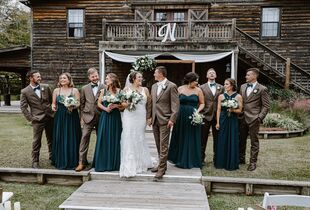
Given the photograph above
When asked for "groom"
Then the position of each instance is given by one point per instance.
(255, 108)
(165, 107)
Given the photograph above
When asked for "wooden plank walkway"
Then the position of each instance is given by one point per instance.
(179, 189)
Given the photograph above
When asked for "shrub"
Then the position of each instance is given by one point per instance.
(277, 120)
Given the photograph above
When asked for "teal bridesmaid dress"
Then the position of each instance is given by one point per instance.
(227, 150)
(107, 151)
(185, 144)
(66, 137)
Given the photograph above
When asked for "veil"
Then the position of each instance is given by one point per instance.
(127, 84)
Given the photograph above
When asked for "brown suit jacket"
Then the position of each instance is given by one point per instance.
(39, 107)
(210, 100)
(257, 104)
(166, 105)
(88, 102)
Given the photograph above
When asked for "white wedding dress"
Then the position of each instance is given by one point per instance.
(135, 154)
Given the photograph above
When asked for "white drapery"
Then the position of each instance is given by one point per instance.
(198, 58)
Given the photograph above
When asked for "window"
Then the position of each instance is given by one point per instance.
(76, 23)
(270, 22)
(170, 15)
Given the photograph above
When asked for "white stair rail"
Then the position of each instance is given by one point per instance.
(285, 200)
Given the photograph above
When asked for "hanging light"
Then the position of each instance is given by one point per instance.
(228, 67)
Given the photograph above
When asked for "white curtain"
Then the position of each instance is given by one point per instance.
(198, 58)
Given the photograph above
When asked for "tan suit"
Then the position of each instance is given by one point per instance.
(90, 116)
(38, 111)
(209, 112)
(255, 109)
(165, 107)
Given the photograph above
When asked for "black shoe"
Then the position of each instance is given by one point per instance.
(252, 167)
(35, 165)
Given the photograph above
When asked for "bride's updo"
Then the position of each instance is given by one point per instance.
(133, 76)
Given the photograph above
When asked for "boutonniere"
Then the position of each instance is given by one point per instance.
(255, 91)
(164, 87)
(218, 87)
(42, 88)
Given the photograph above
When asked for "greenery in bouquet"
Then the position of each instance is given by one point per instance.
(144, 63)
(197, 118)
(114, 99)
(69, 102)
(133, 98)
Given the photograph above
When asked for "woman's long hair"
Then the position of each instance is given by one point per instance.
(190, 77)
(115, 82)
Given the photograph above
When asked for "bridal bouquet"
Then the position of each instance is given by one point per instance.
(133, 98)
(197, 118)
(143, 64)
(230, 104)
(69, 102)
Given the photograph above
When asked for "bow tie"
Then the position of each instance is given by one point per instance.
(94, 85)
(249, 85)
(36, 88)
(212, 84)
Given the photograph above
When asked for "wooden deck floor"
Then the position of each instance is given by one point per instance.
(179, 189)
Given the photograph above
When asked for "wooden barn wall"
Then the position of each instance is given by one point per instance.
(294, 42)
(53, 52)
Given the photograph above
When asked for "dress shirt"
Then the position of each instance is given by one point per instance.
(250, 88)
(95, 88)
(37, 90)
(161, 85)
(212, 87)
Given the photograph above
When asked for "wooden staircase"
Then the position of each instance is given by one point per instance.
(275, 67)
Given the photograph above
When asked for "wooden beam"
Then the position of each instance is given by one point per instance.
(175, 61)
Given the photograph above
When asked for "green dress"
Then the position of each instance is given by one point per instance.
(227, 148)
(66, 137)
(185, 144)
(107, 151)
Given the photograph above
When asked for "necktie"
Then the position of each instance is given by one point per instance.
(212, 84)
(94, 85)
(249, 85)
(36, 88)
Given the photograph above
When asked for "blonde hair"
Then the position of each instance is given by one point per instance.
(91, 71)
(68, 75)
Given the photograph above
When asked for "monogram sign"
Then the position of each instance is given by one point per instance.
(167, 30)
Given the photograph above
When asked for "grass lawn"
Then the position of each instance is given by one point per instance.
(286, 159)
(278, 159)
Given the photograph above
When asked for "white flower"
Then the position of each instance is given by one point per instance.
(42, 88)
(197, 118)
(255, 91)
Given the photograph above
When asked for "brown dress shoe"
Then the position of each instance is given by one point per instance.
(35, 165)
(154, 170)
(252, 167)
(80, 167)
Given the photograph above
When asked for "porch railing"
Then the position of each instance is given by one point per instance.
(192, 30)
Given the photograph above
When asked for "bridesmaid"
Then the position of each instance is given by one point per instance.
(185, 145)
(67, 129)
(107, 151)
(227, 148)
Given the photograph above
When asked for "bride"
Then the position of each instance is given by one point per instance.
(135, 154)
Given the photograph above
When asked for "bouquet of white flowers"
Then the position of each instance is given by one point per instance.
(197, 118)
(69, 102)
(133, 98)
(230, 104)
(144, 63)
(114, 99)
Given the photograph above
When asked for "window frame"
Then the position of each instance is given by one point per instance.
(83, 27)
(278, 36)
(170, 14)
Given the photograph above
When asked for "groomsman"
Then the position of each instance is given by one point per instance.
(165, 107)
(211, 91)
(256, 105)
(89, 114)
(38, 98)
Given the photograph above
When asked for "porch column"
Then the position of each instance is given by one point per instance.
(234, 65)
(102, 66)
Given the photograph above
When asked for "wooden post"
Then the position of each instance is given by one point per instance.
(233, 28)
(104, 29)
(287, 74)
(249, 189)
(146, 30)
(189, 29)
(193, 66)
